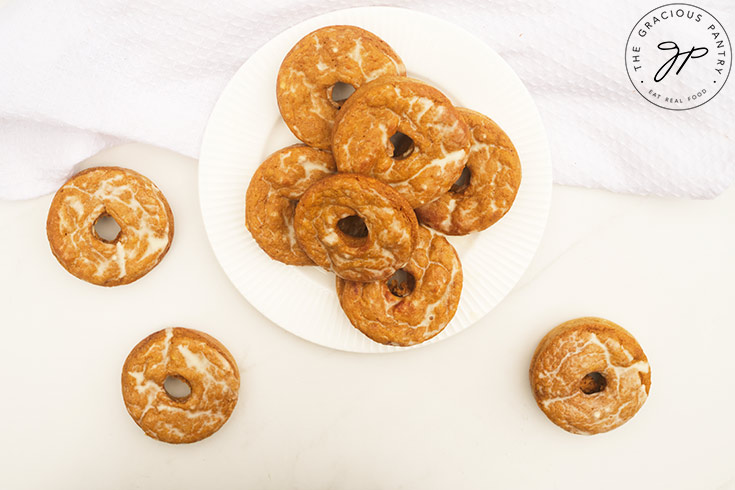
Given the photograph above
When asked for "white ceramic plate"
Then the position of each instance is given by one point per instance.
(246, 126)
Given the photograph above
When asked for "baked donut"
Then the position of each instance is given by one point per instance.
(589, 375)
(356, 226)
(271, 199)
(411, 309)
(196, 359)
(488, 185)
(405, 133)
(322, 59)
(137, 206)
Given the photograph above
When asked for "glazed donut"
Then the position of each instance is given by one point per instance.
(137, 206)
(319, 61)
(405, 133)
(413, 310)
(195, 358)
(356, 226)
(271, 199)
(589, 375)
(493, 175)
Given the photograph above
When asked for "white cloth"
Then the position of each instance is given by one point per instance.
(80, 75)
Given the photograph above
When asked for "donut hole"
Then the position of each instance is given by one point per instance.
(402, 145)
(106, 228)
(401, 283)
(463, 182)
(339, 93)
(593, 383)
(177, 387)
(353, 226)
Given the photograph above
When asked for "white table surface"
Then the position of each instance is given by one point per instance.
(454, 415)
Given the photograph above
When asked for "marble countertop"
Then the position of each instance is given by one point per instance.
(458, 414)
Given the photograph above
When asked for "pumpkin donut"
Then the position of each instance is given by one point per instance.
(195, 358)
(405, 133)
(137, 206)
(356, 226)
(316, 64)
(271, 199)
(411, 309)
(589, 375)
(492, 174)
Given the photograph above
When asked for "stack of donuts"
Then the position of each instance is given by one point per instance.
(382, 175)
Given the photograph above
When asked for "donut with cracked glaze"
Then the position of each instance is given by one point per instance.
(401, 314)
(198, 360)
(321, 59)
(137, 206)
(271, 198)
(367, 137)
(356, 226)
(589, 375)
(493, 181)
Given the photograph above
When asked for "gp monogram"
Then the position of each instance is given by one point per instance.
(678, 56)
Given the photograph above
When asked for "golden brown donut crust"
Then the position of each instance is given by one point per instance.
(271, 198)
(391, 224)
(194, 357)
(315, 64)
(423, 313)
(133, 201)
(376, 111)
(589, 346)
(495, 175)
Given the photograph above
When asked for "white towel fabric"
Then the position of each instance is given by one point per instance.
(80, 75)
